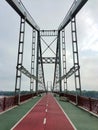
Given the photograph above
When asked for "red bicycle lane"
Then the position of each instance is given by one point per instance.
(46, 115)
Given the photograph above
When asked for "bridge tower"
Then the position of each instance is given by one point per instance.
(38, 60)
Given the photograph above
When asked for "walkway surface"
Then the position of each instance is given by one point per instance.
(46, 115)
(81, 119)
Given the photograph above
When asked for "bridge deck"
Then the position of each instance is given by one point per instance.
(49, 116)
(46, 115)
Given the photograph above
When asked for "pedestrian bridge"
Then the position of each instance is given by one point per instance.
(46, 108)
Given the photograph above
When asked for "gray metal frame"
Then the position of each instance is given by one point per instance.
(48, 60)
(75, 55)
(64, 59)
(48, 46)
(20, 58)
(75, 8)
(24, 71)
(76, 68)
(59, 57)
(69, 73)
(37, 60)
(57, 71)
(33, 59)
(26, 17)
(39, 57)
(49, 33)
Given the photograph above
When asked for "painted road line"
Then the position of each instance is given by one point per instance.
(46, 110)
(44, 121)
(8, 110)
(26, 114)
(66, 115)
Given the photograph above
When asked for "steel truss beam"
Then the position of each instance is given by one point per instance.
(75, 8)
(33, 59)
(75, 54)
(20, 58)
(57, 71)
(38, 67)
(59, 55)
(48, 60)
(24, 71)
(64, 59)
(69, 73)
(43, 77)
(48, 46)
(56, 77)
(22, 11)
(48, 33)
(18, 6)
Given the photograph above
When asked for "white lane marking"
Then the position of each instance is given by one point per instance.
(44, 121)
(66, 115)
(26, 113)
(46, 110)
(8, 110)
(47, 105)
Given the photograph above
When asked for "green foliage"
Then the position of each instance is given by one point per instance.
(92, 94)
(12, 93)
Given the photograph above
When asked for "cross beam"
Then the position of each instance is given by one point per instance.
(48, 60)
(21, 10)
(75, 8)
(48, 32)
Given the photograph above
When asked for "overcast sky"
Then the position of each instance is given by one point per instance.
(48, 14)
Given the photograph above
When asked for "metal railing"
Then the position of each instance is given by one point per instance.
(90, 104)
(10, 101)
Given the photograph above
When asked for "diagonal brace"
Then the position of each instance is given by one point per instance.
(27, 73)
(69, 73)
(48, 46)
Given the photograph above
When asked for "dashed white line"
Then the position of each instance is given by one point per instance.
(66, 115)
(46, 110)
(44, 122)
(26, 114)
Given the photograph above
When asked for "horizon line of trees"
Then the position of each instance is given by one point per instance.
(92, 94)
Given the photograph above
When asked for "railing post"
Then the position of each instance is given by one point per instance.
(90, 104)
(77, 100)
(4, 103)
